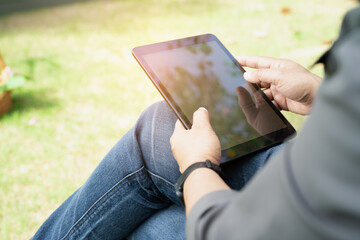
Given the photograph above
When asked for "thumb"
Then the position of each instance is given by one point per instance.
(201, 118)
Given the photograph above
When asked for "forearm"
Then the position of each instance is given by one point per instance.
(201, 182)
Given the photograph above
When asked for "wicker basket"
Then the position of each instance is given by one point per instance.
(5, 102)
(5, 97)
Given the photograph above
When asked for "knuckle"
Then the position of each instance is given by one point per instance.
(172, 147)
(172, 139)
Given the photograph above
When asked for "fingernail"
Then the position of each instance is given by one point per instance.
(202, 108)
(247, 75)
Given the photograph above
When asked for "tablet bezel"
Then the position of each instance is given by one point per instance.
(237, 151)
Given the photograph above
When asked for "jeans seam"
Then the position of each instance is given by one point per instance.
(92, 207)
(153, 126)
(166, 182)
(153, 135)
(159, 177)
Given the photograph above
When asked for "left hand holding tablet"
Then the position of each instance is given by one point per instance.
(197, 144)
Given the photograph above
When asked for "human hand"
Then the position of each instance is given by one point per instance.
(197, 144)
(290, 86)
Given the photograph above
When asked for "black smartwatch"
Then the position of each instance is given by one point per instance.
(179, 185)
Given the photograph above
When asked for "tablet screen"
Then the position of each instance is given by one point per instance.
(202, 74)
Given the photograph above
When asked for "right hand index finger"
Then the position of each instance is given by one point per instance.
(258, 62)
(269, 76)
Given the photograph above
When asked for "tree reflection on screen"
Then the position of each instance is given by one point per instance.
(202, 75)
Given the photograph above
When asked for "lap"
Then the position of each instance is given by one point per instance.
(135, 182)
(156, 126)
(166, 224)
(169, 223)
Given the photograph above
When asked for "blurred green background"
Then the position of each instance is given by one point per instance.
(86, 90)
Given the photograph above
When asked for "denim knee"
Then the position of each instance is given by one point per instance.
(153, 131)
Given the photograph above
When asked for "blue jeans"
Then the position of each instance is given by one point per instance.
(131, 193)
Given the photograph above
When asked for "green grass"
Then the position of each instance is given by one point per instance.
(87, 90)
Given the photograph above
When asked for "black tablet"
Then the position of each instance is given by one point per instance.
(198, 72)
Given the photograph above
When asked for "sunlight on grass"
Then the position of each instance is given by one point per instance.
(86, 90)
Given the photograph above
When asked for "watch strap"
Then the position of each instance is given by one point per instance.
(179, 185)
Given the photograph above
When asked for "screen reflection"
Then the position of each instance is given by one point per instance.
(203, 75)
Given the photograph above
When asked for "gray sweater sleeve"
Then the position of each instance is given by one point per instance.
(311, 188)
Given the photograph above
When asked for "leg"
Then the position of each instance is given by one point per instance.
(239, 172)
(166, 224)
(132, 182)
(120, 193)
(169, 223)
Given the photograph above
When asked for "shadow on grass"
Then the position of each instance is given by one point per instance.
(32, 63)
(24, 101)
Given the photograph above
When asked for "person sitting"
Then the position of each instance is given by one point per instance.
(304, 189)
